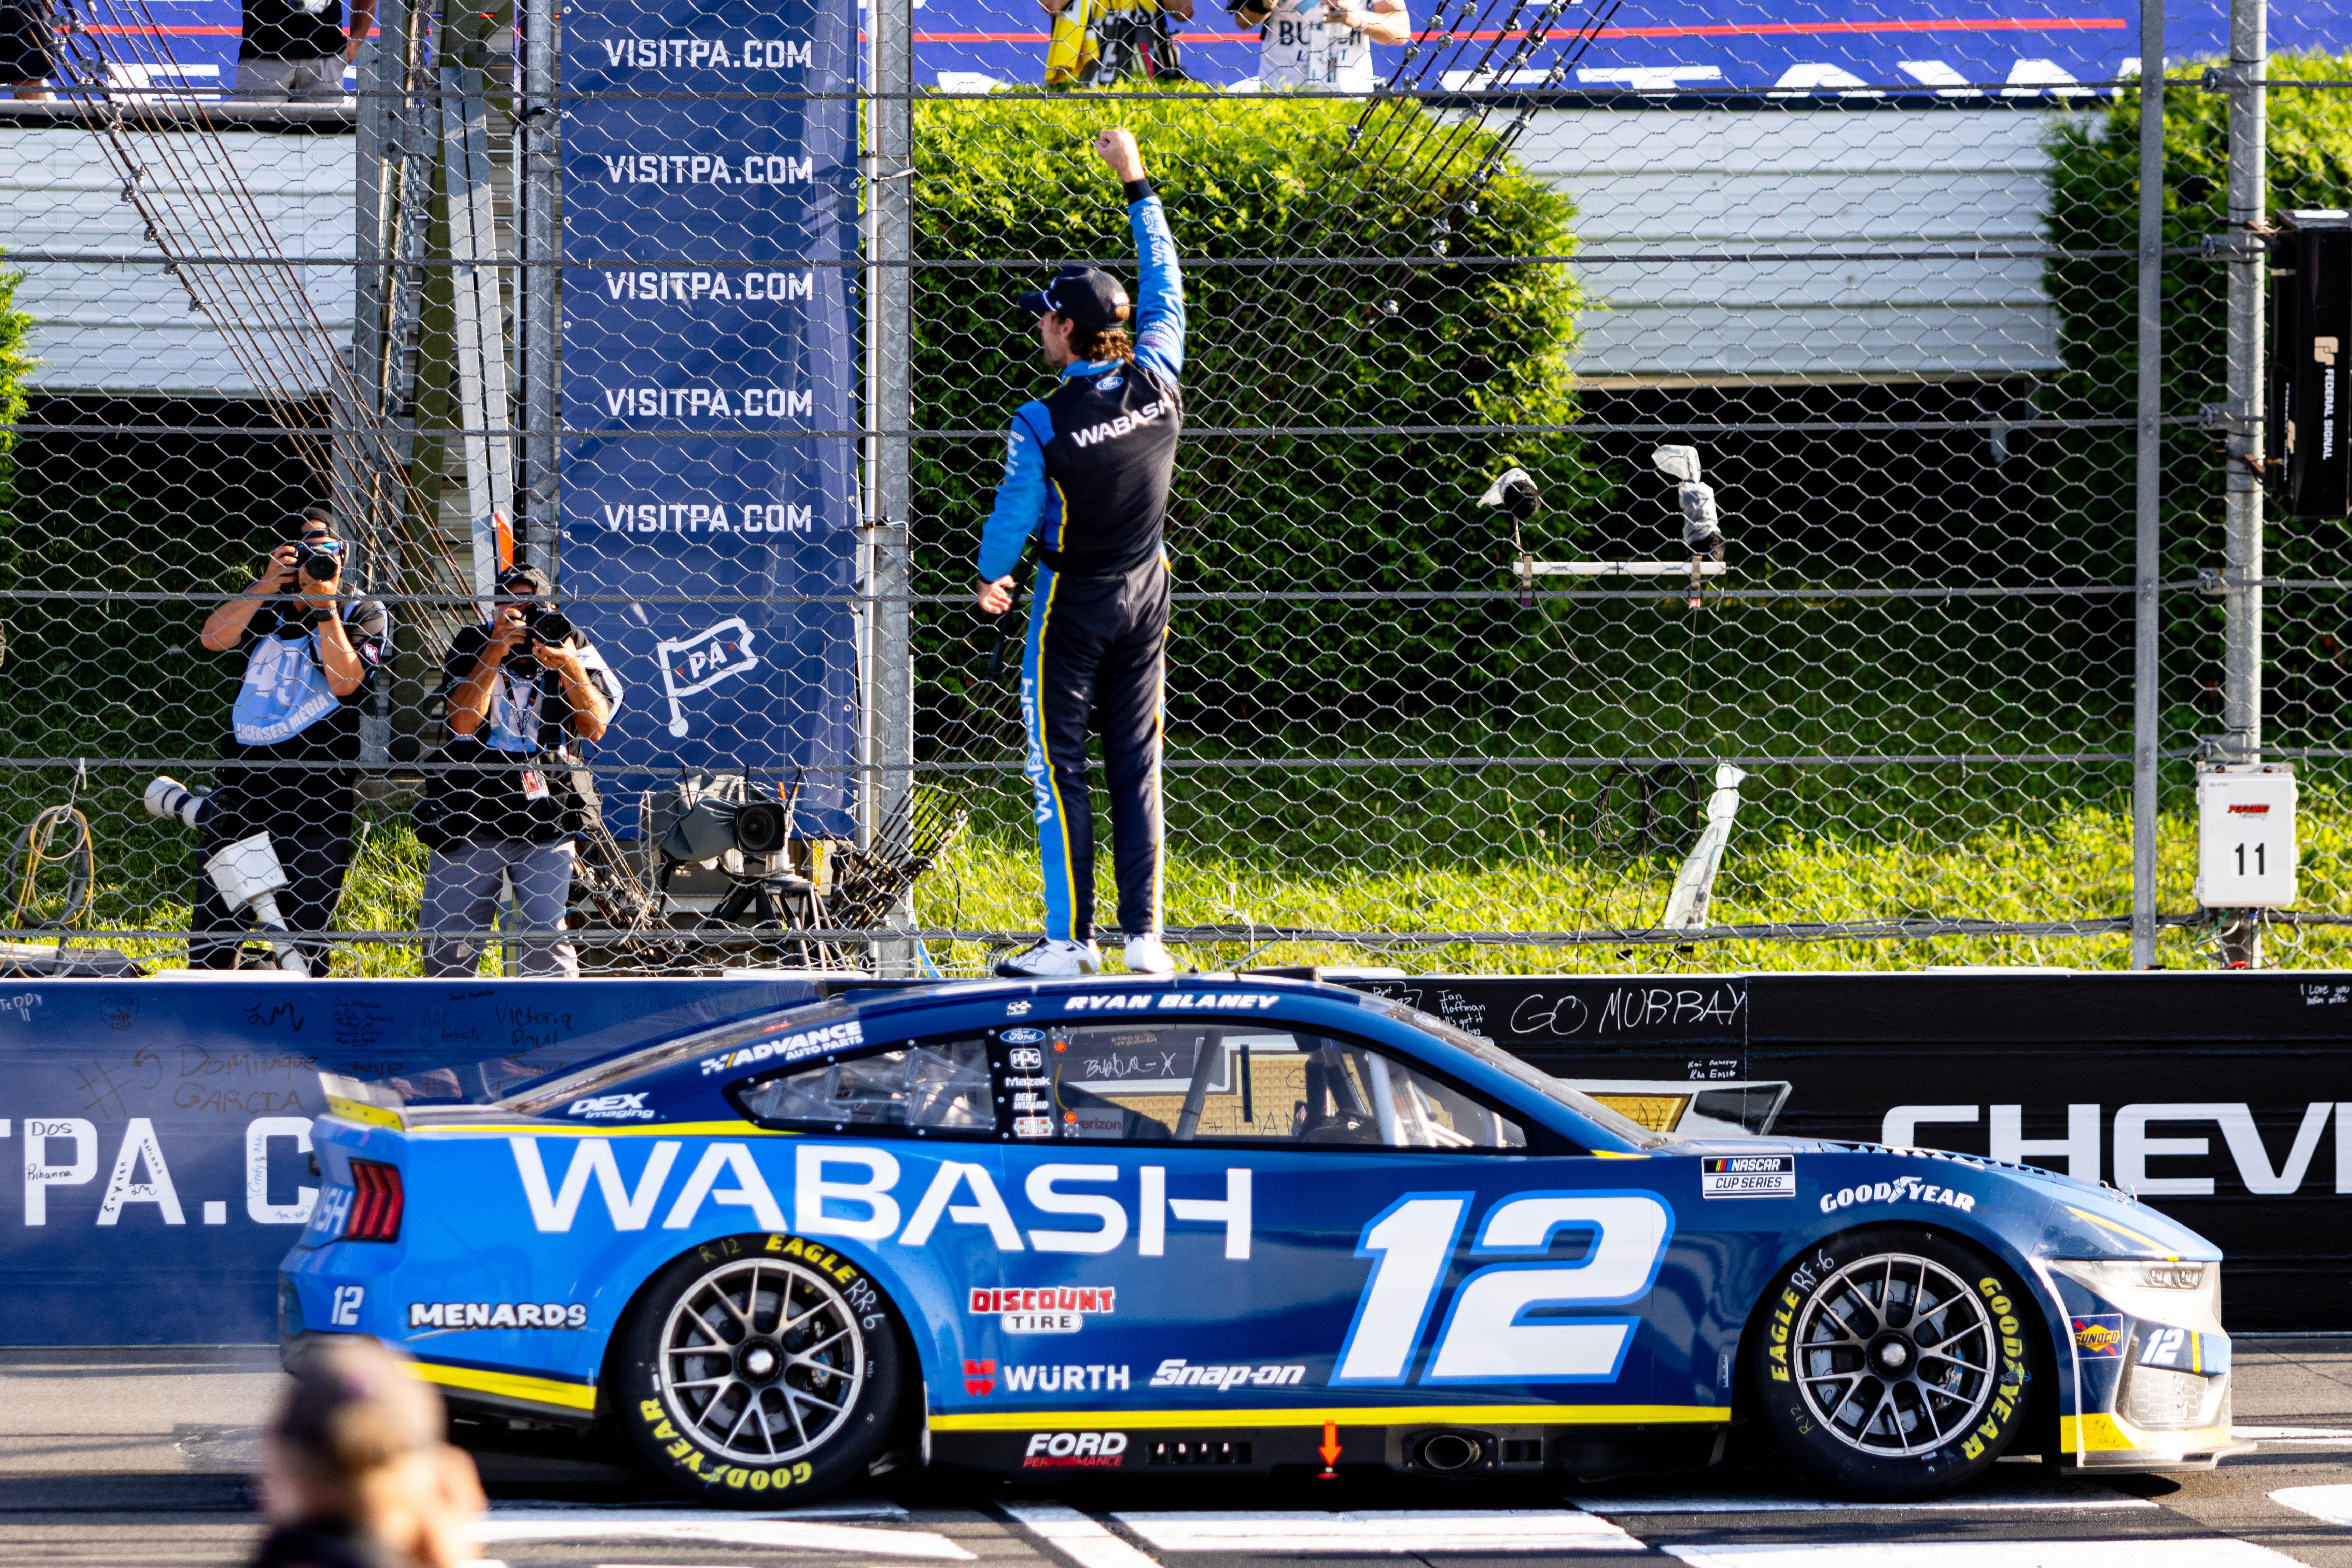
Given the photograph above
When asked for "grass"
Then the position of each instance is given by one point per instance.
(2071, 860)
(2074, 864)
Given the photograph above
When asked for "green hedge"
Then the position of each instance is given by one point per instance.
(1362, 337)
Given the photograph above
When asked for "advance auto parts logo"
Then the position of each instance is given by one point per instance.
(791, 1048)
(1059, 1311)
(1075, 1451)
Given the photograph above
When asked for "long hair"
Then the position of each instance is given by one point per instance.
(1095, 346)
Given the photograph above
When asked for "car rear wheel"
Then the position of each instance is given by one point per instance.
(1894, 1362)
(755, 1365)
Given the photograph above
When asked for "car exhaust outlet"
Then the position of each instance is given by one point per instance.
(1448, 1451)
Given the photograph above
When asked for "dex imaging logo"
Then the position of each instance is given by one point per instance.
(700, 662)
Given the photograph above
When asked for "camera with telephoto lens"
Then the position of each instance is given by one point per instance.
(548, 626)
(174, 802)
(321, 564)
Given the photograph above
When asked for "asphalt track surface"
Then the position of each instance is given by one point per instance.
(142, 1458)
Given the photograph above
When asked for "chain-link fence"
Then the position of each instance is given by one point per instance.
(1805, 635)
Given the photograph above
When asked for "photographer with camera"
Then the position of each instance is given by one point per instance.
(290, 764)
(1321, 46)
(519, 691)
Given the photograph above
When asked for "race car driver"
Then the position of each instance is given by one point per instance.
(1086, 475)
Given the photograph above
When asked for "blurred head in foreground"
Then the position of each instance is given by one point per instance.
(356, 1472)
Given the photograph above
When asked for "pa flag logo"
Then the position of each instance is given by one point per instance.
(701, 661)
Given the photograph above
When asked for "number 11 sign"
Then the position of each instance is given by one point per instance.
(2245, 836)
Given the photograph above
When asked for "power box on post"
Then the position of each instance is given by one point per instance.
(2245, 835)
(2311, 351)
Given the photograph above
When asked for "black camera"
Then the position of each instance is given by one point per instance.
(547, 626)
(320, 565)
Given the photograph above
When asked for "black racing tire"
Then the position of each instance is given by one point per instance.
(1894, 1362)
(756, 1365)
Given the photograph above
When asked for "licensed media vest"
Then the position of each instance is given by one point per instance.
(1110, 458)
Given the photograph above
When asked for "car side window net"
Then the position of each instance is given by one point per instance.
(936, 1086)
(1180, 1083)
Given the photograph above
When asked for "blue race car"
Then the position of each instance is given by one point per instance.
(1236, 1225)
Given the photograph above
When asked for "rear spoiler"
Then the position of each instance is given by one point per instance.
(370, 1104)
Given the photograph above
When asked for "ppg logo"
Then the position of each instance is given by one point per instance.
(1025, 1059)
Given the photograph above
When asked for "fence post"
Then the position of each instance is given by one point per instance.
(890, 673)
(2242, 563)
(537, 176)
(2148, 555)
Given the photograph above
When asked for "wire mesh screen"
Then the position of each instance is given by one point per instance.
(1645, 502)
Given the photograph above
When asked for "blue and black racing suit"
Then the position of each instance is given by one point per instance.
(1086, 475)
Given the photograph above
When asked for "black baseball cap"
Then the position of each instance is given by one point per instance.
(530, 579)
(1087, 295)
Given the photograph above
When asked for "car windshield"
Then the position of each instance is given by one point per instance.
(736, 1034)
(1494, 1056)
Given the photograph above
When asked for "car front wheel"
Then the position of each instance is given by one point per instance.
(755, 1365)
(1894, 1362)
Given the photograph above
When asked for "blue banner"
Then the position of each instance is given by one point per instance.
(710, 227)
(161, 1128)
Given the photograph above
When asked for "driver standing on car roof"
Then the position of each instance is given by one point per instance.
(1087, 474)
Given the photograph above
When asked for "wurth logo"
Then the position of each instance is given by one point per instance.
(1111, 429)
(980, 1377)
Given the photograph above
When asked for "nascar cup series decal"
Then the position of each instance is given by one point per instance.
(1748, 1176)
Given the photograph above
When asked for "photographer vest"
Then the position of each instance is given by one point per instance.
(1111, 456)
(1302, 50)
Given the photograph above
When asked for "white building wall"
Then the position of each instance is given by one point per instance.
(126, 327)
(1660, 192)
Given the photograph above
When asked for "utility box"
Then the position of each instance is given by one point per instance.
(2245, 835)
(2311, 355)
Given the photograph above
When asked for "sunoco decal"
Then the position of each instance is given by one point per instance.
(2099, 1337)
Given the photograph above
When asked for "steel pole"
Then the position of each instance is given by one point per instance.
(538, 173)
(2241, 564)
(889, 118)
(2149, 554)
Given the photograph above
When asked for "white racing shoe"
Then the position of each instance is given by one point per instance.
(1147, 955)
(1052, 960)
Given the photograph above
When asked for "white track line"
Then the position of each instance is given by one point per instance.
(2332, 1504)
(1083, 1540)
(832, 1512)
(2208, 1553)
(716, 1526)
(1392, 1533)
(2083, 1499)
(2293, 1434)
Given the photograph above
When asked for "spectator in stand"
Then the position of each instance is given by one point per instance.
(357, 1471)
(1322, 46)
(1096, 42)
(294, 51)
